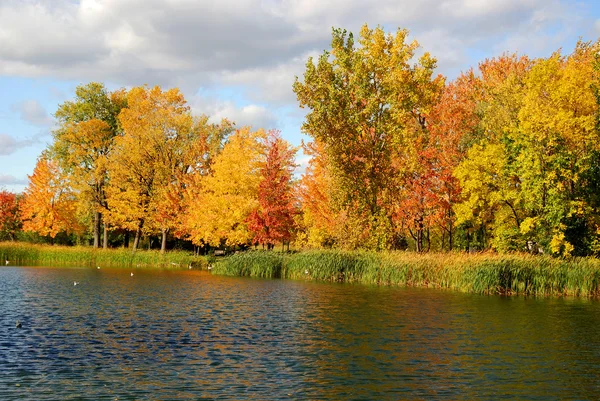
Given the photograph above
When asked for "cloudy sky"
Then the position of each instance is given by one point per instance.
(235, 58)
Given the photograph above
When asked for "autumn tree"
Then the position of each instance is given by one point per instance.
(274, 219)
(453, 125)
(367, 104)
(525, 180)
(10, 216)
(490, 202)
(558, 145)
(321, 216)
(87, 127)
(219, 204)
(49, 206)
(161, 142)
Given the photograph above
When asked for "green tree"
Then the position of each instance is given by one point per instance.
(87, 127)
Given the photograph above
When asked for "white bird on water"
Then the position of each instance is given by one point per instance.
(190, 266)
(131, 274)
(98, 267)
(6, 262)
(75, 283)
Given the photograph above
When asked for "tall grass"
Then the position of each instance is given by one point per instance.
(485, 273)
(30, 254)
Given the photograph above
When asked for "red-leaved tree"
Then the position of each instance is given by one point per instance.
(10, 217)
(273, 220)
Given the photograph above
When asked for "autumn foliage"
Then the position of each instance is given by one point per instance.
(10, 216)
(273, 220)
(49, 205)
(503, 157)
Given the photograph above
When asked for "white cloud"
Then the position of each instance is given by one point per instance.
(33, 112)
(257, 44)
(12, 180)
(253, 115)
(9, 145)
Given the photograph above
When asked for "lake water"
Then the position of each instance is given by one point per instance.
(189, 335)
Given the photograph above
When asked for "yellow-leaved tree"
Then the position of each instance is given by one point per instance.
(220, 203)
(147, 159)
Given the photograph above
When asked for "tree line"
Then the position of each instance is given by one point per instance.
(505, 156)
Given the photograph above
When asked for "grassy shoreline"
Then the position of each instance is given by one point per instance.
(18, 253)
(484, 273)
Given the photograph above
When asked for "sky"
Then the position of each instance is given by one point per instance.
(236, 58)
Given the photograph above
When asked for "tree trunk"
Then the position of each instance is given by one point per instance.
(97, 224)
(163, 243)
(420, 234)
(105, 237)
(138, 236)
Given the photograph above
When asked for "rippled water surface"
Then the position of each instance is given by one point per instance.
(189, 335)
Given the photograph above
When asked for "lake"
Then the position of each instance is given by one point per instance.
(190, 335)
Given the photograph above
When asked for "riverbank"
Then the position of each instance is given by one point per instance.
(18, 253)
(484, 273)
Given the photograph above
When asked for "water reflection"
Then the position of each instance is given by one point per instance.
(189, 335)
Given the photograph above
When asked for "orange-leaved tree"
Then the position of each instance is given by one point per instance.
(49, 206)
(321, 217)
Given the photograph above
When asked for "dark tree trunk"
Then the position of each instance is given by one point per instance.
(138, 236)
(420, 234)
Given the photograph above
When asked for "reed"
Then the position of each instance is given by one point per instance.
(253, 264)
(484, 273)
(36, 255)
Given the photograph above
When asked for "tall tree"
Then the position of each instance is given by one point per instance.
(365, 103)
(274, 218)
(82, 144)
(490, 201)
(157, 146)
(454, 124)
(557, 146)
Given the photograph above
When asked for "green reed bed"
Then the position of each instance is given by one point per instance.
(252, 264)
(35, 255)
(485, 273)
